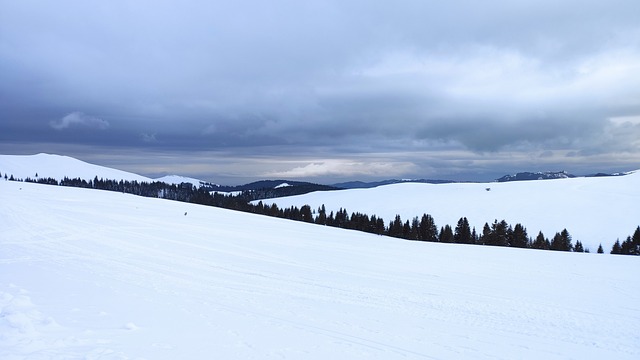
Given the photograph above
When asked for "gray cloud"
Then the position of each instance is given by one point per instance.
(78, 118)
(148, 138)
(328, 83)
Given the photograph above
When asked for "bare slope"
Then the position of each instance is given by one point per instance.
(103, 275)
(594, 210)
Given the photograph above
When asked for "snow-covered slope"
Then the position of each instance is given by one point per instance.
(88, 274)
(57, 167)
(594, 210)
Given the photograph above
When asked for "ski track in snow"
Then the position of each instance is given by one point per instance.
(101, 275)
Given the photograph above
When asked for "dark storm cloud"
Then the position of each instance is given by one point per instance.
(328, 85)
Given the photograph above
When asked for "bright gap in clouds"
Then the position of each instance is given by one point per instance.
(343, 168)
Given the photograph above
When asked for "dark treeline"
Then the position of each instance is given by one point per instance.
(498, 233)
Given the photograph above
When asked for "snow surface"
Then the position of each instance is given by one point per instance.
(282, 185)
(594, 210)
(58, 166)
(103, 275)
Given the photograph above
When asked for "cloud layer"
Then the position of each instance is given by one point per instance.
(324, 87)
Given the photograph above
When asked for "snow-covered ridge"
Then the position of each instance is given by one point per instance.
(177, 180)
(88, 274)
(59, 167)
(282, 185)
(593, 209)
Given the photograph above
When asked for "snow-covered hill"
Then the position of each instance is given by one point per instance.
(89, 274)
(58, 166)
(177, 179)
(594, 210)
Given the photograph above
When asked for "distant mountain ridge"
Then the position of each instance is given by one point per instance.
(372, 184)
(265, 189)
(540, 175)
(548, 175)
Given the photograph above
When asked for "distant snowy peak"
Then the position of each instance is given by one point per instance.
(283, 185)
(58, 167)
(177, 180)
(546, 175)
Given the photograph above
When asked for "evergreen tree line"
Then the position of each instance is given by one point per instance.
(423, 228)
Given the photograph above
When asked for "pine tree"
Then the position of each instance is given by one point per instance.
(519, 237)
(341, 218)
(446, 234)
(395, 227)
(562, 241)
(578, 247)
(406, 230)
(617, 248)
(566, 240)
(331, 221)
(322, 215)
(635, 240)
(600, 249)
(415, 229)
(305, 214)
(540, 242)
(428, 229)
(626, 248)
(498, 235)
(462, 233)
(378, 225)
(485, 238)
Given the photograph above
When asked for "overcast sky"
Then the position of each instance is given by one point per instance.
(324, 90)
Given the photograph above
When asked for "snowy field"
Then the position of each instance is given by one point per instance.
(594, 210)
(88, 274)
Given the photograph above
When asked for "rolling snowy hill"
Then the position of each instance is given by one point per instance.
(594, 210)
(58, 167)
(104, 275)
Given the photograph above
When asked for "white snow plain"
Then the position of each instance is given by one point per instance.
(89, 274)
(593, 209)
